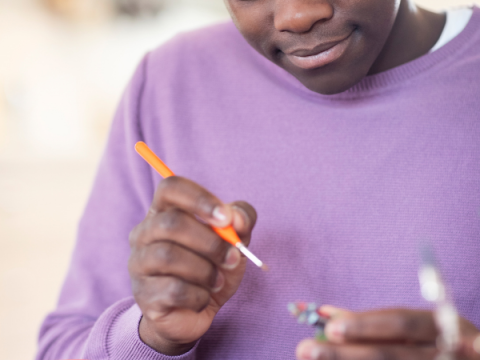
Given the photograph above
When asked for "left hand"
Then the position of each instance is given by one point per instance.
(391, 334)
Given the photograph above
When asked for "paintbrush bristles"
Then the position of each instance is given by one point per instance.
(244, 250)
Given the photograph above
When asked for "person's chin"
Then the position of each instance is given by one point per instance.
(328, 83)
(333, 78)
(336, 76)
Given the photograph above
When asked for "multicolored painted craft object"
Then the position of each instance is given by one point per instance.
(310, 314)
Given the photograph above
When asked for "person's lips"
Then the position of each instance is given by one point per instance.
(319, 56)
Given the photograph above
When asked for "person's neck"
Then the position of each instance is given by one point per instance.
(414, 34)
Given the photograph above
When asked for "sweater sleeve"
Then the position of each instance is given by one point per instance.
(96, 316)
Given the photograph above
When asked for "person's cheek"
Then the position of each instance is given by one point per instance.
(254, 21)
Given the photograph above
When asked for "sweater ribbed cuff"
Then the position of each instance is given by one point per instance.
(115, 336)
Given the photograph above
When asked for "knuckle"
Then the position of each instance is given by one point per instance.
(177, 292)
(134, 235)
(168, 184)
(132, 265)
(169, 220)
(165, 253)
(164, 188)
(137, 289)
(136, 263)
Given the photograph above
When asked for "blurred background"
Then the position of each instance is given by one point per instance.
(63, 67)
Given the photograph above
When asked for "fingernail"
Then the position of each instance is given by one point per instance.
(335, 331)
(219, 283)
(232, 259)
(219, 213)
(310, 350)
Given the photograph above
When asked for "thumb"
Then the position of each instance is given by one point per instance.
(244, 218)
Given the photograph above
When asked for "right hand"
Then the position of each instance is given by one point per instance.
(182, 272)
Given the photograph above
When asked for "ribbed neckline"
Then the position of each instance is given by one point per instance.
(378, 83)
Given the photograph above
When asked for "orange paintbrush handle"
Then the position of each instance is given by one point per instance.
(228, 234)
(149, 156)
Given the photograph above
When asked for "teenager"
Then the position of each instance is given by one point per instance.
(350, 128)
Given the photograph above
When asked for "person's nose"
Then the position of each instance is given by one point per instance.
(299, 16)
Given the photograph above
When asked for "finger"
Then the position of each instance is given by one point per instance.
(184, 229)
(332, 311)
(396, 325)
(165, 258)
(469, 347)
(158, 296)
(184, 194)
(244, 220)
(313, 350)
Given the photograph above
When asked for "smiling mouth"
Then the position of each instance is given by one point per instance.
(320, 56)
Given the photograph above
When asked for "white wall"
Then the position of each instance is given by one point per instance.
(444, 4)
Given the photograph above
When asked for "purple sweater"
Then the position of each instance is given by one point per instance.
(346, 187)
